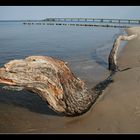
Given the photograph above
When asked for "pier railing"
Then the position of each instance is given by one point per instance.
(99, 20)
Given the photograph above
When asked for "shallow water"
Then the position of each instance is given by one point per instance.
(86, 50)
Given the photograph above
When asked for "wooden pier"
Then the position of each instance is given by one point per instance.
(95, 20)
(115, 23)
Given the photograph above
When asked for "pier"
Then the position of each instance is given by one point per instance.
(94, 20)
(98, 22)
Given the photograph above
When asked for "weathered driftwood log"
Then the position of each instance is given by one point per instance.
(54, 82)
(112, 59)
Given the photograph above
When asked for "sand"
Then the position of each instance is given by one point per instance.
(120, 105)
(122, 98)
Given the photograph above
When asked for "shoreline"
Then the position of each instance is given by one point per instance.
(21, 102)
(121, 99)
(117, 110)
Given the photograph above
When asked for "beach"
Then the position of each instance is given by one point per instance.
(122, 98)
(123, 94)
(117, 110)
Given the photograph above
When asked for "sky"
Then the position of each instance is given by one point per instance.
(42, 12)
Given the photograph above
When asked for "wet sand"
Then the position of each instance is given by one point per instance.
(116, 111)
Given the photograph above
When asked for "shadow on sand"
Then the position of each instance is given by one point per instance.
(26, 100)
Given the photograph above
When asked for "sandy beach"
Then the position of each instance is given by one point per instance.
(122, 98)
(118, 108)
(119, 105)
(121, 102)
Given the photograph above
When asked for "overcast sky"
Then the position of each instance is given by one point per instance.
(41, 12)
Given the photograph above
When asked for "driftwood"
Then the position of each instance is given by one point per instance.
(54, 82)
(112, 59)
